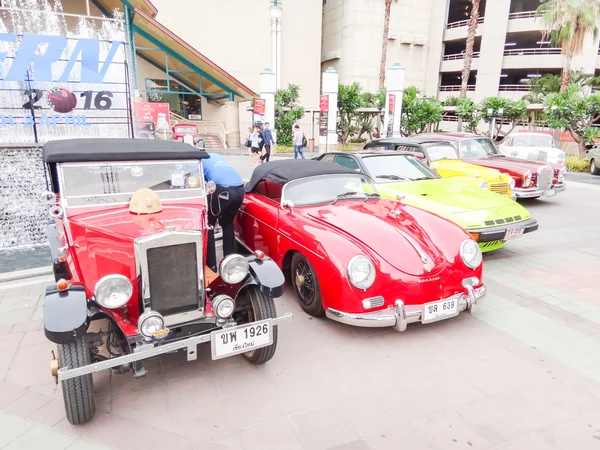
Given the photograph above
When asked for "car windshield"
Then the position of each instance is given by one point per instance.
(85, 184)
(327, 189)
(477, 148)
(538, 140)
(186, 130)
(441, 151)
(394, 168)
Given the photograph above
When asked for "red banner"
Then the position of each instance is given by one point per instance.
(391, 110)
(324, 103)
(392, 106)
(324, 116)
(260, 105)
(157, 113)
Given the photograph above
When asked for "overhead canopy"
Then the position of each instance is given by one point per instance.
(108, 6)
(282, 171)
(166, 51)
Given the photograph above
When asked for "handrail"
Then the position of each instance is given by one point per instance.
(522, 15)
(532, 51)
(470, 87)
(514, 87)
(462, 23)
(220, 129)
(459, 56)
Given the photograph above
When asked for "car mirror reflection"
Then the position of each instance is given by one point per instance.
(288, 205)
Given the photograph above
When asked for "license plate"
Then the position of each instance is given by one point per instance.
(514, 233)
(550, 193)
(444, 309)
(241, 339)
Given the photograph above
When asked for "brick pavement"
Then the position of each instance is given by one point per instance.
(523, 373)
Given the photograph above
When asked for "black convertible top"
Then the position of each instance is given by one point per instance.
(282, 171)
(117, 149)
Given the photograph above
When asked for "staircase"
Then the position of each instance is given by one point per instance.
(211, 132)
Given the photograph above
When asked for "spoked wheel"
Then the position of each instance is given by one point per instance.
(306, 285)
(253, 306)
(78, 393)
(594, 170)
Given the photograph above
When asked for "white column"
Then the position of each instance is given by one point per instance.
(232, 125)
(394, 84)
(330, 88)
(267, 91)
(276, 43)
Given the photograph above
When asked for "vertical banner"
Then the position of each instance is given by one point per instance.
(390, 112)
(323, 117)
(260, 106)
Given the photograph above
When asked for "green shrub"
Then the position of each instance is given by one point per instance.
(576, 164)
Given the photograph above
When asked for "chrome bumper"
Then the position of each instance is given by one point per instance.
(537, 192)
(400, 315)
(149, 351)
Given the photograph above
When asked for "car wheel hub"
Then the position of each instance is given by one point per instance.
(299, 280)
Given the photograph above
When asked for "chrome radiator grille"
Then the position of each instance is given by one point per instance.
(544, 178)
(499, 188)
(173, 278)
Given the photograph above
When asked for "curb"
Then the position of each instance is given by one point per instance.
(579, 184)
(23, 274)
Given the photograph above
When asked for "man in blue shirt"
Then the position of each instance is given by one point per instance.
(268, 140)
(223, 204)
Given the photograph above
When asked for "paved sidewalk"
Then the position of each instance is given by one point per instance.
(523, 373)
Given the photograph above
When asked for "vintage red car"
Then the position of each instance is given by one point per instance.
(128, 237)
(185, 129)
(354, 257)
(533, 179)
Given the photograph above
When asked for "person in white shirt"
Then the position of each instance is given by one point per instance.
(298, 142)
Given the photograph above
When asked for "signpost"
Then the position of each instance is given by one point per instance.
(324, 116)
(391, 110)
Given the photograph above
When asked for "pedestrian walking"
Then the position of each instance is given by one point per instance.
(299, 142)
(223, 204)
(268, 141)
(248, 142)
(255, 140)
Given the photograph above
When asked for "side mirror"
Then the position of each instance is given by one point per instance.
(211, 187)
(287, 205)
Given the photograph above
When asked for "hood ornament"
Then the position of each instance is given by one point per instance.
(426, 260)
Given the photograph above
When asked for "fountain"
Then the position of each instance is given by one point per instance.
(23, 217)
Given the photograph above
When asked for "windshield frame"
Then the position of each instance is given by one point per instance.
(196, 193)
(377, 181)
(358, 175)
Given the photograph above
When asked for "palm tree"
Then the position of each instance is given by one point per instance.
(567, 22)
(384, 43)
(473, 18)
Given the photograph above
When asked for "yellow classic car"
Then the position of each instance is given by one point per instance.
(442, 157)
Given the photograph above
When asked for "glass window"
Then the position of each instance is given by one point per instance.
(327, 158)
(477, 148)
(394, 168)
(347, 161)
(441, 151)
(88, 184)
(327, 188)
(533, 140)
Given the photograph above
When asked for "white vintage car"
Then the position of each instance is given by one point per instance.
(532, 146)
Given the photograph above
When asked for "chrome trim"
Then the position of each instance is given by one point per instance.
(147, 351)
(162, 239)
(400, 315)
(376, 302)
(115, 276)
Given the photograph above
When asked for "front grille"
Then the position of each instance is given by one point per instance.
(544, 178)
(173, 278)
(499, 188)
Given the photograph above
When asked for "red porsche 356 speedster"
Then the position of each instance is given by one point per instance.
(354, 257)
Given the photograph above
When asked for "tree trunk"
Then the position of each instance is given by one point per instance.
(566, 72)
(469, 48)
(384, 43)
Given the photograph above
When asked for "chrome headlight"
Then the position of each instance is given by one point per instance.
(483, 185)
(234, 269)
(149, 323)
(223, 306)
(361, 272)
(470, 253)
(511, 182)
(527, 179)
(561, 173)
(113, 291)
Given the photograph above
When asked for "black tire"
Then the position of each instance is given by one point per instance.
(78, 393)
(594, 169)
(261, 308)
(306, 285)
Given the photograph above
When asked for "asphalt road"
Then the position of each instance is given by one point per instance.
(585, 177)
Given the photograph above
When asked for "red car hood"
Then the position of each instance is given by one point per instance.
(389, 230)
(120, 222)
(514, 166)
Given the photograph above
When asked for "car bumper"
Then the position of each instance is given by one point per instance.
(534, 192)
(498, 233)
(147, 351)
(400, 315)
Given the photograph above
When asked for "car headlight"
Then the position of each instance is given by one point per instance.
(561, 173)
(223, 306)
(113, 291)
(511, 182)
(527, 179)
(471, 253)
(361, 272)
(483, 185)
(149, 323)
(234, 268)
